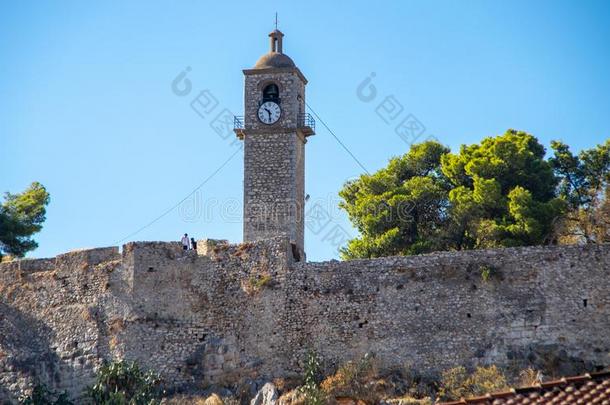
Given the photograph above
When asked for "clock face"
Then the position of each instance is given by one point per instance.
(269, 112)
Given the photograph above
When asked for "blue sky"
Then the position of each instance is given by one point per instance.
(87, 107)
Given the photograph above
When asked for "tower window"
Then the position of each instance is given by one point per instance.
(271, 93)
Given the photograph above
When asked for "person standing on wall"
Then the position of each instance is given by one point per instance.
(193, 244)
(185, 242)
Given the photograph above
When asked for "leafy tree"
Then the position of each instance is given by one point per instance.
(401, 209)
(21, 216)
(124, 383)
(584, 184)
(501, 192)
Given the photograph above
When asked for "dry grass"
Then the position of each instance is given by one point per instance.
(113, 342)
(107, 267)
(116, 325)
(222, 247)
(184, 400)
(7, 258)
(286, 384)
(213, 399)
(242, 250)
(529, 376)
(256, 283)
(353, 380)
(408, 400)
(10, 292)
(294, 397)
(457, 383)
(86, 314)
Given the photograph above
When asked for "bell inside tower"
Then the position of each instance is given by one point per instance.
(271, 93)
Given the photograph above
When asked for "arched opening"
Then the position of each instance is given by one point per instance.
(271, 93)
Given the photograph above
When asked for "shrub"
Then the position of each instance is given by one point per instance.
(453, 383)
(351, 379)
(230, 401)
(214, 399)
(257, 282)
(6, 258)
(408, 400)
(487, 379)
(184, 400)
(456, 383)
(487, 272)
(529, 376)
(293, 397)
(311, 377)
(124, 383)
(417, 386)
(42, 395)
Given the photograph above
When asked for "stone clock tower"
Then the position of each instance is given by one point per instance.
(274, 129)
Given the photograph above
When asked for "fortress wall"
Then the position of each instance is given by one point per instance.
(198, 319)
(436, 311)
(247, 311)
(47, 326)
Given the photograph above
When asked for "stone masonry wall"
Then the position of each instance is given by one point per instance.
(273, 186)
(48, 328)
(274, 159)
(230, 313)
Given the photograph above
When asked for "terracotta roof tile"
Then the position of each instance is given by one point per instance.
(586, 389)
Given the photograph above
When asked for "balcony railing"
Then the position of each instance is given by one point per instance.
(239, 126)
(305, 122)
(238, 122)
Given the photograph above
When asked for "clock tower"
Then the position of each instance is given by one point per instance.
(274, 129)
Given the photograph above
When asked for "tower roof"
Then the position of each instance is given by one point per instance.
(275, 58)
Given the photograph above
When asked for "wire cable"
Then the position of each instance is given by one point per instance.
(215, 172)
(167, 211)
(337, 138)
